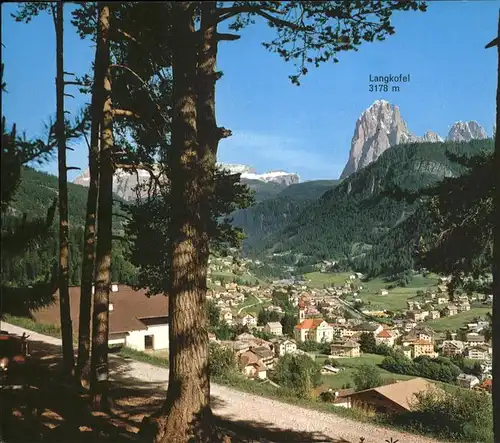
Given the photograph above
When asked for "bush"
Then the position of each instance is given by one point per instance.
(222, 361)
(367, 343)
(459, 414)
(311, 346)
(441, 369)
(367, 377)
(298, 374)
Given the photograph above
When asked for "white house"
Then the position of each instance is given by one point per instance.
(284, 347)
(467, 381)
(135, 320)
(274, 328)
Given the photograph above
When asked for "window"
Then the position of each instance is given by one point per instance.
(148, 342)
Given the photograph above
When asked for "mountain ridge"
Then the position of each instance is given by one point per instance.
(381, 126)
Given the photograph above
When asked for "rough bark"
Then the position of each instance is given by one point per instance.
(100, 318)
(496, 269)
(83, 364)
(64, 303)
(186, 415)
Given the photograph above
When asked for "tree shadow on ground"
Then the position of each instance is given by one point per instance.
(48, 407)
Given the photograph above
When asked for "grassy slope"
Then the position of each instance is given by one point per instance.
(456, 321)
(395, 300)
(318, 279)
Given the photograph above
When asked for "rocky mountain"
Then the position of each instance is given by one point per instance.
(466, 131)
(124, 183)
(265, 185)
(248, 173)
(381, 127)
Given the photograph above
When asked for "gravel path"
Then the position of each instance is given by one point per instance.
(236, 405)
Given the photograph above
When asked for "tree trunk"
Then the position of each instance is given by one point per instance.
(88, 260)
(100, 318)
(186, 415)
(64, 303)
(496, 270)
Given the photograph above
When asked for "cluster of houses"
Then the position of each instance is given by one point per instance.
(256, 356)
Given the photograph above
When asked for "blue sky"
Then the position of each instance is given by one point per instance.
(277, 125)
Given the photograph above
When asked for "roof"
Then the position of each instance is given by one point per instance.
(129, 305)
(384, 333)
(346, 344)
(250, 358)
(310, 323)
(366, 326)
(274, 324)
(402, 393)
(421, 342)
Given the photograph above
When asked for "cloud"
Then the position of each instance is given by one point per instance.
(276, 152)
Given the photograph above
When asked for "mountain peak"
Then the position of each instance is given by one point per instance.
(378, 128)
(466, 131)
(381, 127)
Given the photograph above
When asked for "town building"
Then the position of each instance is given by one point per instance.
(345, 349)
(135, 320)
(394, 398)
(385, 337)
(314, 329)
(274, 328)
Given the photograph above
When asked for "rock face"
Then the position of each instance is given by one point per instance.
(430, 137)
(379, 127)
(124, 183)
(466, 131)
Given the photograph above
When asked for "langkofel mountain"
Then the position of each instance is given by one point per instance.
(381, 127)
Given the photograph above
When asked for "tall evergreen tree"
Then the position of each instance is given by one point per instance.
(88, 258)
(496, 254)
(308, 26)
(100, 319)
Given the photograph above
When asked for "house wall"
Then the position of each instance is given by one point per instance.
(373, 400)
(116, 341)
(135, 339)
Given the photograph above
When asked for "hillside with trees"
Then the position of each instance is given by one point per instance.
(32, 199)
(360, 215)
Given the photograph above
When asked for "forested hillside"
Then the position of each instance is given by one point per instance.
(270, 215)
(33, 198)
(355, 221)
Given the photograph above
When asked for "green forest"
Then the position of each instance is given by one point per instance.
(33, 197)
(357, 222)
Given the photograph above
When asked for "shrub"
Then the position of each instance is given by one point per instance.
(367, 343)
(298, 374)
(222, 361)
(310, 346)
(456, 414)
(367, 377)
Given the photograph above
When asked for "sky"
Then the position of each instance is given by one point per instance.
(304, 129)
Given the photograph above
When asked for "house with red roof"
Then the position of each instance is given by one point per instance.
(314, 329)
(385, 337)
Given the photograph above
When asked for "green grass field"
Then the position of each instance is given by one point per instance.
(398, 296)
(319, 279)
(350, 365)
(395, 300)
(456, 321)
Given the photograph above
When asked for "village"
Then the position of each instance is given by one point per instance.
(336, 318)
(263, 322)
